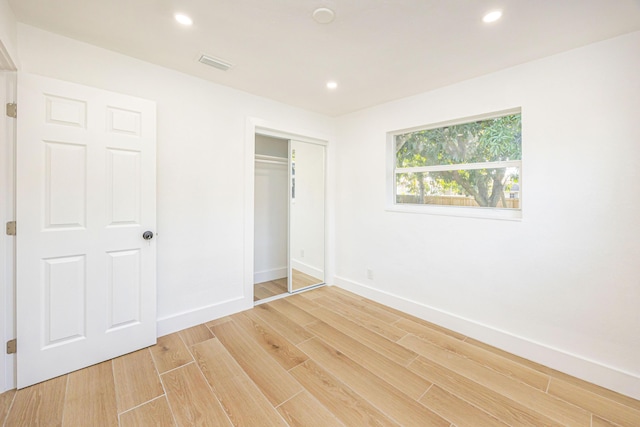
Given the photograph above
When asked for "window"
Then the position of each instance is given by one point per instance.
(470, 167)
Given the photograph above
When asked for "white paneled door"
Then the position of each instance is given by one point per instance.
(86, 184)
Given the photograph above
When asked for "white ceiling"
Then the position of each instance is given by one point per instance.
(377, 50)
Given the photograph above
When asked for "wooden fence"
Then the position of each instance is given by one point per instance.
(453, 201)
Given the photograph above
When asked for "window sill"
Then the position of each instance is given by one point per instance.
(458, 211)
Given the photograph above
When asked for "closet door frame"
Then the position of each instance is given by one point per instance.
(263, 127)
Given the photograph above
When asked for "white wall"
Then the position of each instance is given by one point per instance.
(561, 286)
(271, 229)
(271, 219)
(8, 32)
(201, 160)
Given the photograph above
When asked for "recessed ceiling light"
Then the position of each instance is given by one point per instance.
(492, 16)
(332, 85)
(323, 15)
(183, 19)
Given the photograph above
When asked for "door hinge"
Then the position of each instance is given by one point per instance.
(12, 110)
(12, 346)
(11, 228)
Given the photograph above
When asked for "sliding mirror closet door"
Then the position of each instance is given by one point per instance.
(306, 215)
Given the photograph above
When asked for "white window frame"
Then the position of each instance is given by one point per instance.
(462, 211)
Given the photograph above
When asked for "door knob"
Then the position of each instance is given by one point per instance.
(147, 235)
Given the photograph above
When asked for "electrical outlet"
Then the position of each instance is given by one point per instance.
(301, 253)
(369, 274)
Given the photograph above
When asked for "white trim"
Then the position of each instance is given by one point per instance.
(460, 167)
(186, 319)
(576, 365)
(290, 201)
(460, 211)
(265, 128)
(7, 243)
(268, 275)
(249, 206)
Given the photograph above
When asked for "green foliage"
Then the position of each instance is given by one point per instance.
(497, 139)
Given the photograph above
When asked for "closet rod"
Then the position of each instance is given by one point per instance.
(275, 162)
(261, 158)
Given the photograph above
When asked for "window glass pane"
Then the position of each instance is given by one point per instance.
(496, 139)
(493, 188)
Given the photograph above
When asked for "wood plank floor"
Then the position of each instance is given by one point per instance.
(322, 358)
(272, 288)
(269, 289)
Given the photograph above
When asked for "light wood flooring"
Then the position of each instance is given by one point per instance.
(302, 280)
(322, 358)
(272, 288)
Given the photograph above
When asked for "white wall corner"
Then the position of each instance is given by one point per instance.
(578, 366)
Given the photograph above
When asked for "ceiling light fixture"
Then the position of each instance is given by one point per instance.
(183, 19)
(323, 15)
(492, 16)
(216, 63)
(332, 85)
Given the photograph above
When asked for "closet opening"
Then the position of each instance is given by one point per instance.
(289, 216)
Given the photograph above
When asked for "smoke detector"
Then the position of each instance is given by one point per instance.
(323, 15)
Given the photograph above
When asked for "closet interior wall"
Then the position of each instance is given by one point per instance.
(271, 222)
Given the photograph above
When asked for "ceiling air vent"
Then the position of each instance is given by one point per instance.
(213, 62)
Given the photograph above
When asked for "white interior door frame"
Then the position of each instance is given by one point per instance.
(7, 243)
(277, 130)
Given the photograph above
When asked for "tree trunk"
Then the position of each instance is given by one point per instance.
(420, 177)
(497, 192)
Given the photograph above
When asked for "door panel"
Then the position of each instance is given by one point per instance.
(64, 299)
(64, 185)
(124, 286)
(123, 187)
(85, 194)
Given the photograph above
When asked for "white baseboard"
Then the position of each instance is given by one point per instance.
(187, 319)
(306, 268)
(268, 275)
(578, 366)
